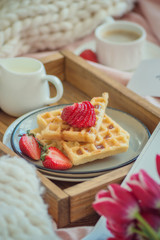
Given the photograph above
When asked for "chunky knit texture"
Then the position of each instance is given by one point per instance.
(23, 214)
(37, 25)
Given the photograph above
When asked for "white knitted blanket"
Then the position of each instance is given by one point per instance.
(37, 25)
(23, 214)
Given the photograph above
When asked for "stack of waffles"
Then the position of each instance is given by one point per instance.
(82, 145)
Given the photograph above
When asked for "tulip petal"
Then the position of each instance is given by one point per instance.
(121, 231)
(112, 209)
(112, 238)
(158, 164)
(122, 195)
(146, 199)
(134, 176)
(145, 189)
(144, 178)
(149, 182)
(103, 194)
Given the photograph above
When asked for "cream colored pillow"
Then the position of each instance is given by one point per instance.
(23, 214)
(37, 25)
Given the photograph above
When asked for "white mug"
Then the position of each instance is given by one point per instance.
(24, 85)
(120, 44)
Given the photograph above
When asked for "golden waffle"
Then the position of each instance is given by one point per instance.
(111, 140)
(43, 141)
(50, 124)
(54, 128)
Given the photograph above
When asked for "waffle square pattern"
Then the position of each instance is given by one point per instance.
(111, 140)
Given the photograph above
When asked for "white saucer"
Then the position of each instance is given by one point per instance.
(151, 50)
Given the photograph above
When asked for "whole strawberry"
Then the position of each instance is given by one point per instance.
(89, 55)
(55, 159)
(30, 147)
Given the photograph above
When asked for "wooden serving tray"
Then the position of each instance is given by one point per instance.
(70, 203)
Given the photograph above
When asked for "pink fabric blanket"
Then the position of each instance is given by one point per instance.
(146, 13)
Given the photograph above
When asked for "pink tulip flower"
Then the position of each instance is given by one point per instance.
(132, 214)
(116, 204)
(145, 189)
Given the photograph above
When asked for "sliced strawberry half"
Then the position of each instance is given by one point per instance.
(75, 115)
(88, 54)
(55, 159)
(30, 147)
(79, 117)
(92, 120)
(68, 111)
(85, 117)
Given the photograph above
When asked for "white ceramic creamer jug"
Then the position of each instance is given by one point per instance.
(24, 85)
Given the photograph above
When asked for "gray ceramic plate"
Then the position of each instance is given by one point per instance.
(139, 135)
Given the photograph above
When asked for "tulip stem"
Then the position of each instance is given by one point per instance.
(139, 232)
(148, 228)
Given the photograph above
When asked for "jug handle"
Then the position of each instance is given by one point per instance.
(57, 84)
